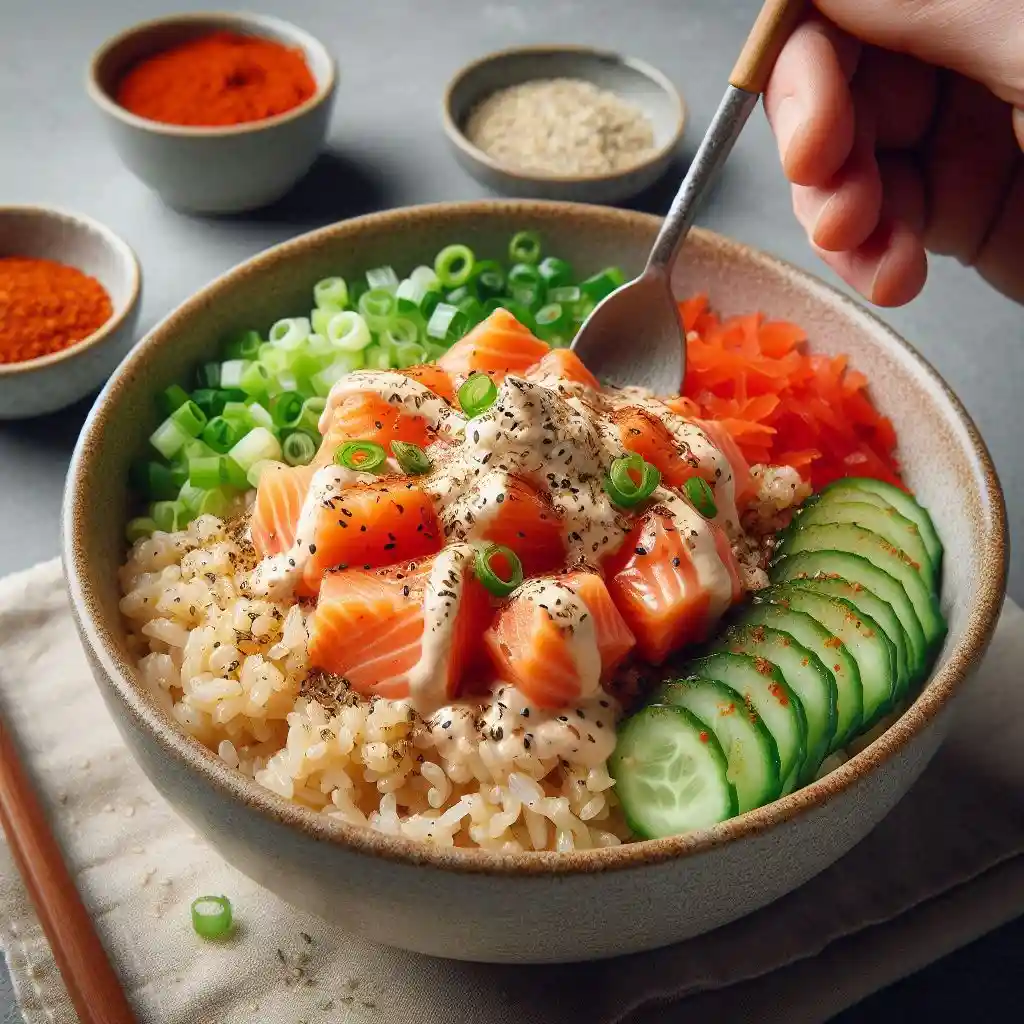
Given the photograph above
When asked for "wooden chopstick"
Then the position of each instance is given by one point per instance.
(88, 976)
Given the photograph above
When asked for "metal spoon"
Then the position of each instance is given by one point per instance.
(635, 335)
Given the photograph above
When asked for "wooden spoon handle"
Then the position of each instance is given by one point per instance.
(90, 980)
(773, 27)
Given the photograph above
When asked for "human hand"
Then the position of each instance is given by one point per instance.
(896, 125)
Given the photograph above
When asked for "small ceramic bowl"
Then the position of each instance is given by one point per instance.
(52, 382)
(482, 904)
(221, 169)
(630, 79)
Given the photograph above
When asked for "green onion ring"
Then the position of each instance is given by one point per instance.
(362, 456)
(411, 457)
(477, 395)
(701, 496)
(211, 916)
(486, 573)
(623, 489)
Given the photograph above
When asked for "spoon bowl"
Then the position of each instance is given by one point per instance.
(635, 336)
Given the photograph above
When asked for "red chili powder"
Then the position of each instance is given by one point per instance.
(45, 307)
(219, 79)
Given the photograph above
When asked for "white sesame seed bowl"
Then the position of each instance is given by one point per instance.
(563, 122)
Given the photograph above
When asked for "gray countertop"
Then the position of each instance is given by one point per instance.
(386, 149)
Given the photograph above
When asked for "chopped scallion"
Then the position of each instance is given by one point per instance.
(477, 395)
(241, 345)
(454, 265)
(447, 323)
(169, 438)
(411, 457)
(331, 293)
(190, 418)
(498, 568)
(172, 398)
(139, 528)
(698, 490)
(555, 272)
(211, 916)
(258, 444)
(298, 448)
(603, 283)
(623, 489)
(382, 278)
(348, 331)
(525, 247)
(363, 456)
(291, 332)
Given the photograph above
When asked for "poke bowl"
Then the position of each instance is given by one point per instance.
(433, 635)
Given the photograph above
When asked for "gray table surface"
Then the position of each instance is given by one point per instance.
(386, 149)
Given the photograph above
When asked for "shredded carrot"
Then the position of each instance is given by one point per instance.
(781, 405)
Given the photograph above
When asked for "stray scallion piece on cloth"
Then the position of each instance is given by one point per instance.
(631, 480)
(701, 496)
(498, 568)
(258, 400)
(560, 127)
(212, 917)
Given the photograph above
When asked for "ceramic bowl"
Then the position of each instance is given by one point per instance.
(213, 170)
(632, 80)
(479, 905)
(49, 383)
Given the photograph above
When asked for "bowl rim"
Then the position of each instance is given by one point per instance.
(242, 20)
(129, 262)
(459, 138)
(357, 840)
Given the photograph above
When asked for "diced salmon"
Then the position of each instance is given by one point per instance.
(369, 526)
(529, 526)
(564, 364)
(540, 643)
(655, 585)
(279, 499)
(365, 416)
(497, 346)
(642, 432)
(368, 628)
(432, 376)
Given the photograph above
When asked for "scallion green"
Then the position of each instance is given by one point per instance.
(477, 395)
(603, 284)
(290, 332)
(363, 456)
(286, 408)
(222, 434)
(298, 448)
(555, 272)
(383, 278)
(525, 247)
(348, 331)
(498, 568)
(211, 917)
(169, 438)
(331, 293)
(139, 528)
(454, 265)
(447, 323)
(411, 457)
(698, 490)
(204, 473)
(241, 345)
(172, 398)
(623, 489)
(258, 444)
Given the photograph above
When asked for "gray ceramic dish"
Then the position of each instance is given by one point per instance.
(51, 382)
(213, 170)
(633, 80)
(471, 904)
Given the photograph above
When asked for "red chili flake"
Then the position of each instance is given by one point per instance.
(833, 641)
(704, 737)
(764, 666)
(779, 694)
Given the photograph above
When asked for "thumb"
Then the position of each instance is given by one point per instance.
(979, 38)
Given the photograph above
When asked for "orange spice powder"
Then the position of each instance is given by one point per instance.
(219, 79)
(45, 307)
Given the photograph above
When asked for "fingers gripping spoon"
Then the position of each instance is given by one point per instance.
(635, 335)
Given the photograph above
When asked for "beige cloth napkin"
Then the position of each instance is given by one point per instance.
(943, 868)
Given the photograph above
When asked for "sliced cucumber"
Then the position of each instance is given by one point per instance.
(864, 639)
(830, 651)
(764, 689)
(859, 571)
(885, 521)
(873, 607)
(878, 551)
(749, 747)
(901, 501)
(803, 670)
(671, 774)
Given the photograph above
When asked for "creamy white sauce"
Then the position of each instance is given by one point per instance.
(398, 390)
(513, 727)
(560, 438)
(441, 599)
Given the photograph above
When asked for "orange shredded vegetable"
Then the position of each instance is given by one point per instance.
(780, 404)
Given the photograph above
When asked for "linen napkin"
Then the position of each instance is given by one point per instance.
(946, 866)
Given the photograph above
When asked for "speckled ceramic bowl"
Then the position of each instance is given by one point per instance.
(214, 170)
(632, 80)
(471, 904)
(49, 383)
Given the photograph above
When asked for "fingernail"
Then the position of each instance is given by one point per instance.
(883, 240)
(785, 123)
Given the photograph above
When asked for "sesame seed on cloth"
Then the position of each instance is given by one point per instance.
(940, 870)
(560, 126)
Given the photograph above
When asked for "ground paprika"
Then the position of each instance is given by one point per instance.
(45, 307)
(219, 79)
